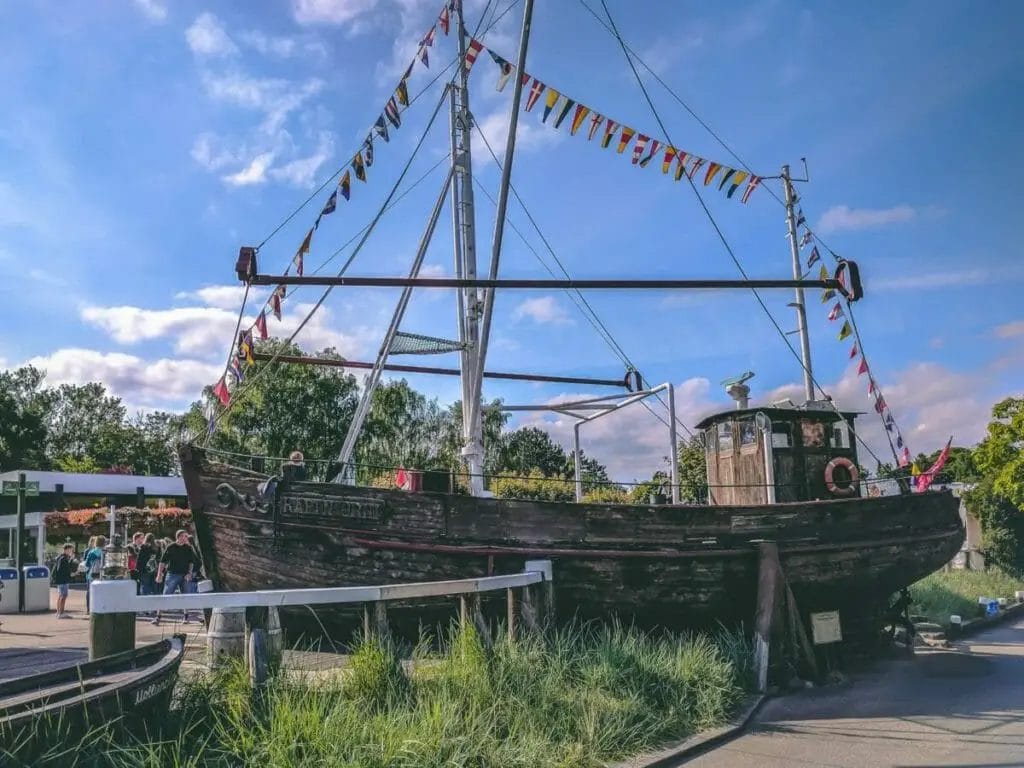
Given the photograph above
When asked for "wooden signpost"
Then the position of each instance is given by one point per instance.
(21, 489)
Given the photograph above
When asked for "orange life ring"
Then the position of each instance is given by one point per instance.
(841, 490)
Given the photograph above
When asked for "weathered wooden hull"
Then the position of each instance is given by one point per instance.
(667, 565)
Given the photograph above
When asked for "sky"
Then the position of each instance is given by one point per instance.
(144, 141)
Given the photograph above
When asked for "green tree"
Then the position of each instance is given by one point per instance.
(529, 448)
(403, 428)
(85, 425)
(1000, 455)
(693, 471)
(23, 408)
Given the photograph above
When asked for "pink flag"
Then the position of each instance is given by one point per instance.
(863, 367)
(905, 457)
(925, 479)
(853, 350)
(837, 311)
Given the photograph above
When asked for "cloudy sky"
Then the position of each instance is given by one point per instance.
(144, 141)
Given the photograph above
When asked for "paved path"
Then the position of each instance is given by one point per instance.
(961, 707)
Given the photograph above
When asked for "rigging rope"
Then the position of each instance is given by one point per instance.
(718, 229)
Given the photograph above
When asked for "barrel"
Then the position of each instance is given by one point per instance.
(275, 638)
(225, 636)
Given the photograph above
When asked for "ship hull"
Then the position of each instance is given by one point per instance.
(671, 566)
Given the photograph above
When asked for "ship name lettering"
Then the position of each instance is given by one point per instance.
(369, 509)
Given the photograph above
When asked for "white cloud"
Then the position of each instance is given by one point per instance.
(334, 12)
(275, 97)
(207, 152)
(543, 310)
(153, 10)
(302, 171)
(207, 37)
(267, 44)
(146, 382)
(919, 280)
(254, 173)
(222, 296)
(1010, 330)
(842, 217)
(530, 134)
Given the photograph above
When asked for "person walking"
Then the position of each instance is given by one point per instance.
(62, 572)
(93, 564)
(177, 567)
(133, 560)
(147, 562)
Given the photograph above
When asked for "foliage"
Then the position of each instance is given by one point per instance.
(642, 492)
(23, 408)
(529, 449)
(945, 593)
(606, 494)
(580, 697)
(1000, 456)
(693, 471)
(534, 485)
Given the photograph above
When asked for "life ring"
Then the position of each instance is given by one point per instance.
(850, 486)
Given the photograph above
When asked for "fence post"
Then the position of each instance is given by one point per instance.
(547, 588)
(110, 632)
(470, 613)
(510, 601)
(375, 621)
(528, 608)
(767, 598)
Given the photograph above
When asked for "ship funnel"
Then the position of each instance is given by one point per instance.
(738, 390)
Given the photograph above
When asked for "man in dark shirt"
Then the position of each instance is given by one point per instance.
(176, 567)
(62, 571)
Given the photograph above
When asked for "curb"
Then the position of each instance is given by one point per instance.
(976, 625)
(671, 755)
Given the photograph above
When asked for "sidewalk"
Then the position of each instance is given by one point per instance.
(35, 642)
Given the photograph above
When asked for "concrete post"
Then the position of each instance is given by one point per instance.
(110, 632)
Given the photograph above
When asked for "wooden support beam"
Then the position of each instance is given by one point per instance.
(375, 621)
(799, 633)
(470, 613)
(768, 581)
(528, 607)
(510, 606)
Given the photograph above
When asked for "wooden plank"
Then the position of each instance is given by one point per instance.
(768, 580)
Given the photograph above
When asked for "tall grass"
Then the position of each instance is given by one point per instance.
(944, 593)
(578, 697)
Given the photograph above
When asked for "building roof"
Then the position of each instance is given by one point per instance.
(76, 483)
(785, 413)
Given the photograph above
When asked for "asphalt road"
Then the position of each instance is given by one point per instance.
(961, 707)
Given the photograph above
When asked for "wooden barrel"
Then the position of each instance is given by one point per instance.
(275, 637)
(225, 637)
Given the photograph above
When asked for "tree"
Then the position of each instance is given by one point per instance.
(23, 407)
(693, 471)
(1000, 456)
(403, 428)
(85, 426)
(529, 448)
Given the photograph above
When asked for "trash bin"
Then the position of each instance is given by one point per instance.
(9, 593)
(37, 587)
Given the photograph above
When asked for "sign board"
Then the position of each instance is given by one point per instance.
(825, 627)
(10, 488)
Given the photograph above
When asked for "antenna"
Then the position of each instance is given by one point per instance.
(738, 390)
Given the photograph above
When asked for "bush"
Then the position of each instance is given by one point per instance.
(534, 487)
(606, 494)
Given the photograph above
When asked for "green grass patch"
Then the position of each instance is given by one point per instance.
(580, 696)
(945, 593)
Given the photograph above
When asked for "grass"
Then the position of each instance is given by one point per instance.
(580, 696)
(945, 593)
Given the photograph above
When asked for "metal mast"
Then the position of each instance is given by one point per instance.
(464, 235)
(801, 308)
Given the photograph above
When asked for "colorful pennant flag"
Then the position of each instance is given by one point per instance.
(475, 46)
(737, 180)
(863, 367)
(358, 167)
(595, 123)
(261, 324)
(655, 145)
(828, 295)
(330, 206)
(275, 301)
(754, 181)
(220, 391)
(609, 133)
(578, 118)
(845, 331)
(853, 350)
(402, 93)
(905, 457)
(807, 237)
(549, 103)
(928, 477)
(535, 91)
(837, 311)
(368, 153)
(345, 185)
(624, 139)
(505, 70)
(697, 163)
(879, 404)
(564, 111)
(814, 257)
(871, 386)
(729, 173)
(303, 249)
(391, 112)
(381, 128)
(424, 56)
(888, 421)
(245, 347)
(713, 168)
(666, 163)
(235, 369)
(638, 148)
(444, 20)
(800, 219)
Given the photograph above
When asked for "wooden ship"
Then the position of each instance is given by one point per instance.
(785, 473)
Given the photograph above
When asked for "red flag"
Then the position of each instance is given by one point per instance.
(443, 20)
(837, 311)
(275, 301)
(905, 457)
(261, 324)
(638, 148)
(879, 404)
(754, 181)
(401, 478)
(925, 479)
(220, 391)
(863, 367)
(853, 350)
(535, 91)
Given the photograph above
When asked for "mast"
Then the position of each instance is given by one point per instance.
(464, 237)
(499, 222)
(801, 307)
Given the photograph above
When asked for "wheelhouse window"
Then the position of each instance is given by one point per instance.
(748, 433)
(780, 436)
(724, 436)
(841, 437)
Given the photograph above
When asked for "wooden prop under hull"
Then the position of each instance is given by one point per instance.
(657, 565)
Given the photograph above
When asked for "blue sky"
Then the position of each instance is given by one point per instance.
(144, 141)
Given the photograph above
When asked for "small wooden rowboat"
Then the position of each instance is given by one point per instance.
(133, 685)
